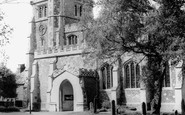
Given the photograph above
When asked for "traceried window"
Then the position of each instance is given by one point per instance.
(71, 40)
(42, 11)
(107, 76)
(132, 74)
(166, 80)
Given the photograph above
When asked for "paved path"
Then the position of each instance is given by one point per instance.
(53, 113)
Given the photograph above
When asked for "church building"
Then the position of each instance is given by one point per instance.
(61, 79)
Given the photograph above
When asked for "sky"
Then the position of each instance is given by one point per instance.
(18, 16)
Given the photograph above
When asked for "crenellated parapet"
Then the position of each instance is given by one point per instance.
(52, 52)
(87, 73)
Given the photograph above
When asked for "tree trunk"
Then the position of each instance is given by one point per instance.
(156, 101)
(156, 70)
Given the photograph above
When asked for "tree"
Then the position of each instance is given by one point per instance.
(155, 31)
(7, 83)
(5, 32)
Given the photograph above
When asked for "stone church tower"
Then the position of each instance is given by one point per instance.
(56, 45)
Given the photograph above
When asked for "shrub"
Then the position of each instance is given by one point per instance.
(12, 109)
(106, 104)
(36, 106)
(2, 108)
(9, 109)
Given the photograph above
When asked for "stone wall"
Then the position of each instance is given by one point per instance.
(168, 101)
(168, 96)
(41, 40)
(43, 68)
(73, 63)
(70, 11)
(20, 92)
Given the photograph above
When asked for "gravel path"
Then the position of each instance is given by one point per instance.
(53, 113)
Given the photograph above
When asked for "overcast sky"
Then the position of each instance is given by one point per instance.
(18, 16)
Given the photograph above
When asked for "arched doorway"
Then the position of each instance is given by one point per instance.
(66, 96)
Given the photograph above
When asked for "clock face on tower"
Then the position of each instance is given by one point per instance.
(42, 29)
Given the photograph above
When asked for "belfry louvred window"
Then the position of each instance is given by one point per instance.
(132, 74)
(71, 40)
(42, 11)
(78, 9)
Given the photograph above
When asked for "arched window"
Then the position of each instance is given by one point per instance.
(111, 75)
(133, 77)
(137, 75)
(132, 74)
(81, 10)
(103, 70)
(42, 11)
(45, 11)
(127, 74)
(107, 76)
(72, 40)
(76, 10)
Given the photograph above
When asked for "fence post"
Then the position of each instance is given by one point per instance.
(113, 108)
(143, 108)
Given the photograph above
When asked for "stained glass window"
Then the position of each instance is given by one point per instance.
(111, 73)
(132, 74)
(133, 78)
(127, 74)
(103, 78)
(137, 76)
(107, 76)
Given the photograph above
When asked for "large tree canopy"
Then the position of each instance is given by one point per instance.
(134, 25)
(154, 29)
